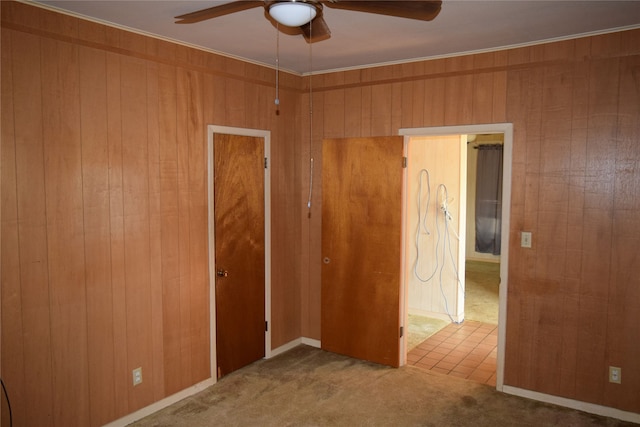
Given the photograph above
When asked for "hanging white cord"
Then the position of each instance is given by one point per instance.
(277, 100)
(446, 217)
(310, 182)
(310, 119)
(422, 224)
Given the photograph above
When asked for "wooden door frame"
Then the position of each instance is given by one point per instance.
(266, 136)
(507, 130)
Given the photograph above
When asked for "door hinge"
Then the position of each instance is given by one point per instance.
(401, 331)
(404, 162)
(266, 163)
(266, 326)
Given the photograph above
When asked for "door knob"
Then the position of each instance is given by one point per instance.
(222, 273)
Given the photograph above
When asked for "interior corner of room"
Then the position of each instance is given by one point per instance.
(166, 226)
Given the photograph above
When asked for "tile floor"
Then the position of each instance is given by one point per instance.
(467, 350)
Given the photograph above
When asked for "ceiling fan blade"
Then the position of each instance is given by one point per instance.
(316, 30)
(422, 10)
(214, 12)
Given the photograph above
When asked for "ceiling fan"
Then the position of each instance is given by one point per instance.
(305, 16)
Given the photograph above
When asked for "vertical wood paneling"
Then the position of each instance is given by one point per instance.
(458, 102)
(184, 235)
(396, 105)
(65, 230)
(134, 220)
(169, 235)
(234, 96)
(499, 98)
(434, 101)
(310, 307)
(197, 163)
(352, 108)
(482, 95)
(135, 186)
(382, 108)
(597, 243)
(155, 231)
(286, 322)
(622, 349)
(32, 232)
(134, 190)
(335, 112)
(365, 112)
(418, 96)
(574, 228)
(122, 378)
(96, 217)
(12, 330)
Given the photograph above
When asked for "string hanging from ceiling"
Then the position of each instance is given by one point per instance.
(310, 120)
(277, 100)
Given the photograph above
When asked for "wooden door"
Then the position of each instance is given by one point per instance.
(361, 247)
(239, 250)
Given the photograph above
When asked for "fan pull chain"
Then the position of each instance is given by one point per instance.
(277, 100)
(310, 118)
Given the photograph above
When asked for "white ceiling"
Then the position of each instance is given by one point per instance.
(363, 39)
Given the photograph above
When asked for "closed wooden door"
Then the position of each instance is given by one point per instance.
(361, 247)
(239, 250)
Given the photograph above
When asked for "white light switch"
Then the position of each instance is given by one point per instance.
(525, 239)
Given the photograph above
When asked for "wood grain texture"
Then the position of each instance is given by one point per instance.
(135, 191)
(116, 217)
(132, 132)
(11, 298)
(569, 185)
(37, 381)
(169, 227)
(155, 228)
(239, 208)
(361, 289)
(96, 217)
(588, 164)
(184, 219)
(65, 230)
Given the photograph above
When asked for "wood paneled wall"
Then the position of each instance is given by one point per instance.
(104, 253)
(575, 105)
(104, 212)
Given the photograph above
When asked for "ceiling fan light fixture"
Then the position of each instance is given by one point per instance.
(292, 13)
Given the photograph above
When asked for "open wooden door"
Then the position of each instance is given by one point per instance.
(239, 250)
(361, 247)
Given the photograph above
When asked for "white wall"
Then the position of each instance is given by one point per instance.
(442, 157)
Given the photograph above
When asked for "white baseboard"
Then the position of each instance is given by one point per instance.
(286, 347)
(432, 314)
(311, 342)
(161, 404)
(591, 408)
(291, 344)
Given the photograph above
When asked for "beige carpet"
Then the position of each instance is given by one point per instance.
(420, 328)
(310, 387)
(482, 280)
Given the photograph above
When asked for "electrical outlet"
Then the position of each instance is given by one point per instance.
(137, 376)
(525, 239)
(615, 375)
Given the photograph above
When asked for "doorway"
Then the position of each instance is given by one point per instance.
(483, 250)
(455, 292)
(239, 247)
